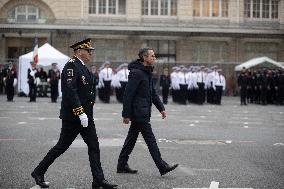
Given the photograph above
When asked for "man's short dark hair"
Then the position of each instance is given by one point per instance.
(143, 52)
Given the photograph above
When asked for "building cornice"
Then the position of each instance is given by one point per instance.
(160, 29)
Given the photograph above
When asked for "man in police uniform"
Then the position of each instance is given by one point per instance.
(77, 116)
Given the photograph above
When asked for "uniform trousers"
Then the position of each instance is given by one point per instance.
(54, 92)
(219, 91)
(107, 91)
(200, 93)
(33, 92)
(148, 135)
(165, 94)
(10, 92)
(243, 92)
(69, 131)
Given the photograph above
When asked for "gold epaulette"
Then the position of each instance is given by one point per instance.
(78, 111)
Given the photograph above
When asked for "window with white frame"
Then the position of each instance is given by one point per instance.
(107, 7)
(267, 9)
(26, 13)
(159, 7)
(210, 8)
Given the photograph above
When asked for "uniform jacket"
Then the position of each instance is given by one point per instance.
(10, 75)
(77, 90)
(165, 81)
(54, 76)
(140, 94)
(242, 81)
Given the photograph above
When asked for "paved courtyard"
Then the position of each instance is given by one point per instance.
(227, 146)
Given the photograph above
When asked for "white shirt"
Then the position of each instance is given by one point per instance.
(105, 74)
(219, 81)
(123, 75)
(175, 81)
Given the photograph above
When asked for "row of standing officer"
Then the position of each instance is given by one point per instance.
(194, 84)
(261, 86)
(108, 78)
(36, 76)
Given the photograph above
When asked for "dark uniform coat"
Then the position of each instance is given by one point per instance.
(140, 94)
(77, 91)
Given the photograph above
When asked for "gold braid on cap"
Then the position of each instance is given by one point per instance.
(78, 111)
(83, 46)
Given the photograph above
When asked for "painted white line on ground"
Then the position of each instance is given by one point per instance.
(36, 187)
(246, 123)
(186, 170)
(4, 117)
(103, 119)
(213, 185)
(228, 141)
(278, 144)
(12, 139)
(246, 127)
(191, 125)
(43, 118)
(21, 123)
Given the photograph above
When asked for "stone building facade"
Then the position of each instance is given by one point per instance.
(224, 32)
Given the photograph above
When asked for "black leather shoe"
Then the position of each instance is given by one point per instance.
(103, 184)
(39, 179)
(126, 169)
(168, 169)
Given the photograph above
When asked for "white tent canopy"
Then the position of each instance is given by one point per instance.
(46, 55)
(258, 61)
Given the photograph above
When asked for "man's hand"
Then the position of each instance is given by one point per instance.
(126, 120)
(164, 115)
(84, 120)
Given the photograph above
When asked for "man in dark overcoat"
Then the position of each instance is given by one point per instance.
(137, 102)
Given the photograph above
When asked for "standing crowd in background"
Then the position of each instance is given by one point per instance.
(261, 86)
(196, 84)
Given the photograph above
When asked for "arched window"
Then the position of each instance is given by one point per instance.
(26, 14)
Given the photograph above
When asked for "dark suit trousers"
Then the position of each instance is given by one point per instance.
(69, 131)
(148, 135)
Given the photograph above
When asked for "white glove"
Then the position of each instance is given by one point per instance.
(15, 82)
(84, 120)
(32, 73)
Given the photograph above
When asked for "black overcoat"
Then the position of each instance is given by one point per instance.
(140, 93)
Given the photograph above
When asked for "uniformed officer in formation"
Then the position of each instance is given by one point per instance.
(53, 79)
(96, 80)
(219, 85)
(33, 81)
(105, 78)
(77, 116)
(243, 83)
(138, 98)
(120, 80)
(10, 81)
(165, 83)
(175, 83)
(261, 86)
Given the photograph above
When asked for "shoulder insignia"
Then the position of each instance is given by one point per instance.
(72, 60)
(70, 72)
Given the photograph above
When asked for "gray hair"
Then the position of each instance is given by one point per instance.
(143, 52)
